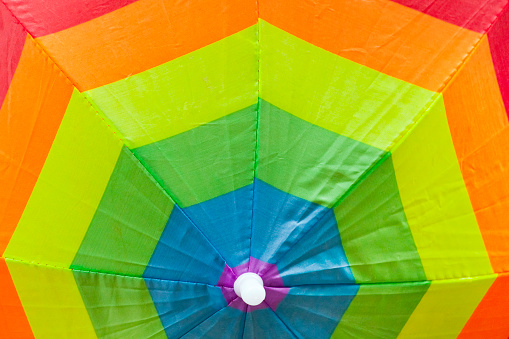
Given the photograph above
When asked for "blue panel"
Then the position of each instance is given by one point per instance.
(261, 324)
(279, 220)
(228, 323)
(226, 222)
(183, 306)
(318, 258)
(315, 311)
(184, 254)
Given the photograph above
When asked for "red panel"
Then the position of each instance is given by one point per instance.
(42, 17)
(498, 38)
(12, 39)
(476, 15)
(13, 321)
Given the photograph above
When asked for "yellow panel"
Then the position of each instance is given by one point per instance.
(184, 93)
(446, 308)
(335, 93)
(436, 201)
(52, 301)
(69, 188)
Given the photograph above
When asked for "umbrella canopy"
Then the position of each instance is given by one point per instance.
(254, 169)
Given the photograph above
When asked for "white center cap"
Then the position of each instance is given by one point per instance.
(249, 286)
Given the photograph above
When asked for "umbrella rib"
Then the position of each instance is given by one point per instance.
(317, 222)
(204, 320)
(25, 262)
(256, 150)
(283, 323)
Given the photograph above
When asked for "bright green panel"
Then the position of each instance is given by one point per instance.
(436, 201)
(380, 310)
(119, 306)
(51, 300)
(374, 230)
(306, 160)
(207, 161)
(69, 188)
(128, 223)
(335, 93)
(189, 91)
(446, 307)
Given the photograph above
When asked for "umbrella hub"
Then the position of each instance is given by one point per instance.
(249, 287)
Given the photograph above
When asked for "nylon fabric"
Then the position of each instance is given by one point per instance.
(119, 306)
(447, 305)
(436, 201)
(51, 300)
(295, 156)
(58, 200)
(30, 116)
(473, 99)
(385, 307)
(184, 93)
(219, 153)
(144, 35)
(373, 226)
(379, 34)
(128, 222)
(184, 254)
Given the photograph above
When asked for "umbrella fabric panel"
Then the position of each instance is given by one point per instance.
(436, 201)
(300, 237)
(315, 311)
(183, 253)
(380, 310)
(69, 188)
(51, 300)
(12, 42)
(446, 307)
(219, 153)
(497, 36)
(13, 320)
(374, 230)
(141, 36)
(490, 319)
(335, 93)
(380, 34)
(128, 222)
(228, 323)
(474, 15)
(279, 220)
(30, 116)
(308, 154)
(226, 222)
(289, 100)
(119, 306)
(183, 93)
(183, 306)
(42, 17)
(265, 324)
(480, 134)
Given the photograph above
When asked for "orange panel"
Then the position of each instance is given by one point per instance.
(491, 318)
(480, 133)
(381, 34)
(29, 119)
(13, 321)
(143, 35)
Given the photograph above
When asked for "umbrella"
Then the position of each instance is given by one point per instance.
(254, 169)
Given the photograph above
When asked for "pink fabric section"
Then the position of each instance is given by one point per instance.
(42, 17)
(12, 40)
(476, 15)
